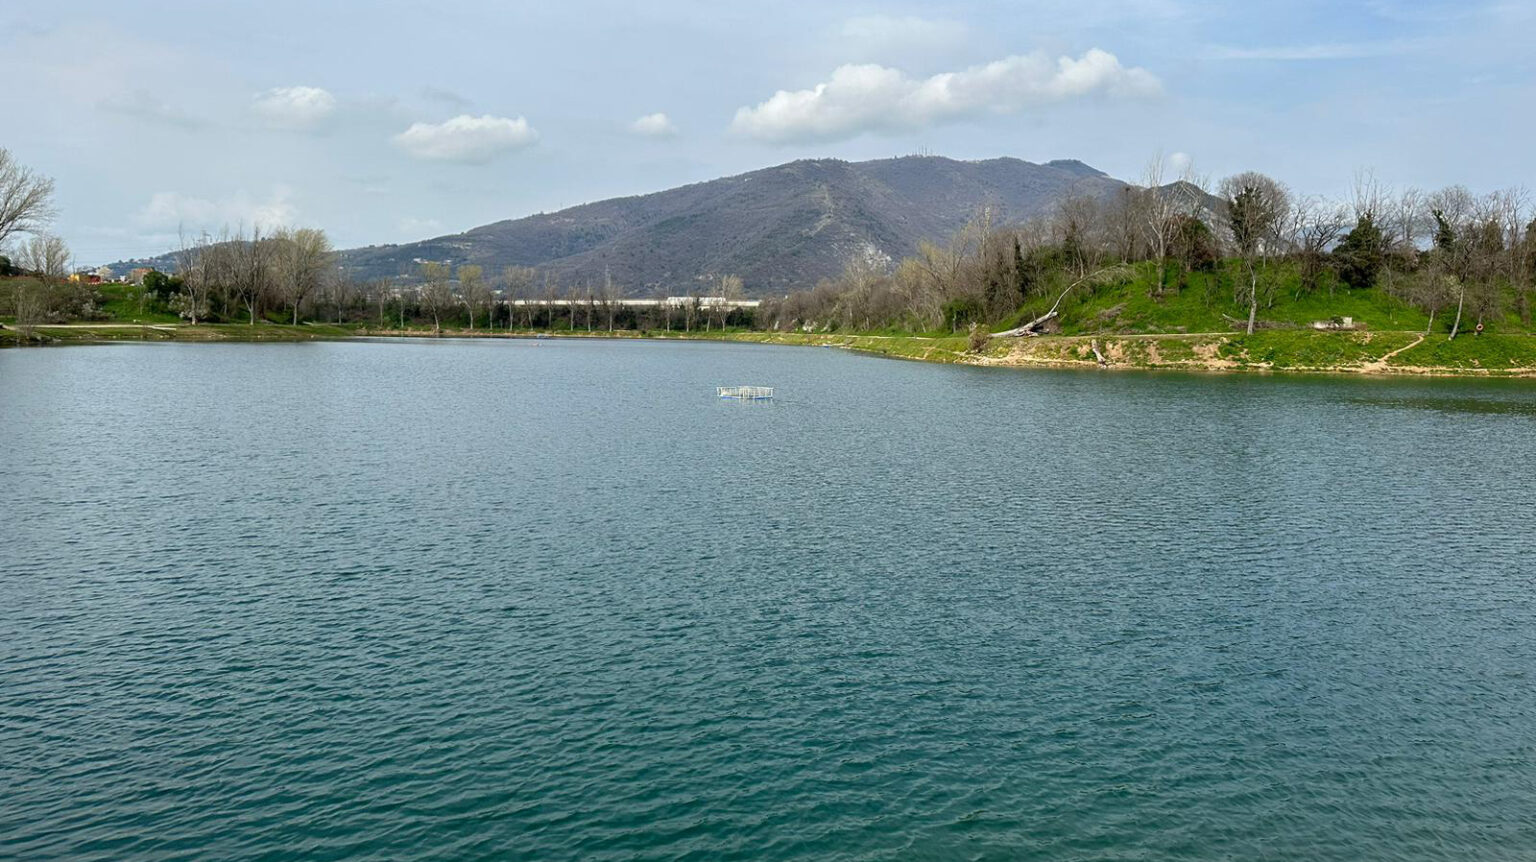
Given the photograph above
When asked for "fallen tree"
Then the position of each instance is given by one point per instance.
(1032, 328)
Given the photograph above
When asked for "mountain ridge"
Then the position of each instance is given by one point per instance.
(779, 228)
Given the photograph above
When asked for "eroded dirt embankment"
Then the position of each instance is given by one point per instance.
(1334, 353)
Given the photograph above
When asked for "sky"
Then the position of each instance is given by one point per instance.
(395, 121)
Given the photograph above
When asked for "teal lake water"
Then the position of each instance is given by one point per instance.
(554, 600)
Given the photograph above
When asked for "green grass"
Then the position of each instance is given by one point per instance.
(1196, 325)
(1299, 348)
(107, 331)
(1489, 351)
(1127, 304)
(119, 305)
(1175, 350)
(945, 349)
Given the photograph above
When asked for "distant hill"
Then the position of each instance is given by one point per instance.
(778, 228)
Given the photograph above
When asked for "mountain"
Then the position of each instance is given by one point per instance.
(779, 228)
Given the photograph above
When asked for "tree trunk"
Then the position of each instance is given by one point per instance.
(1253, 298)
(1461, 299)
(1030, 327)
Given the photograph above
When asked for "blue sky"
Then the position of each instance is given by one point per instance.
(389, 122)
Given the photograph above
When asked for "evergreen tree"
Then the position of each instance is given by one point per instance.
(1193, 244)
(1445, 233)
(1022, 277)
(1362, 253)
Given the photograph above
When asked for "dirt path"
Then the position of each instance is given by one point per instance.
(1381, 363)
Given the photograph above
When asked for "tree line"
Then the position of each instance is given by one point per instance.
(1448, 252)
(1461, 258)
(292, 274)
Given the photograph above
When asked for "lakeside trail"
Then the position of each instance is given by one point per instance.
(1220, 352)
(1381, 364)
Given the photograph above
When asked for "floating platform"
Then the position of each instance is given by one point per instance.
(745, 393)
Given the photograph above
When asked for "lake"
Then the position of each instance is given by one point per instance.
(552, 599)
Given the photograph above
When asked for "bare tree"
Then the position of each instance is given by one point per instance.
(1156, 207)
(246, 267)
(730, 293)
(1405, 220)
(47, 259)
(305, 262)
(581, 296)
(551, 296)
(610, 296)
(517, 282)
(1489, 253)
(1312, 228)
(932, 280)
(343, 292)
(471, 288)
(665, 301)
(378, 291)
(1369, 198)
(1509, 208)
(691, 307)
(26, 198)
(29, 302)
(192, 264)
(1453, 209)
(1431, 289)
(1256, 207)
(1123, 222)
(436, 292)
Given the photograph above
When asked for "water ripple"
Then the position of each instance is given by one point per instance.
(449, 600)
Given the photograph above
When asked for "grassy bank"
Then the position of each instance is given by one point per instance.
(1333, 352)
(109, 331)
(1306, 350)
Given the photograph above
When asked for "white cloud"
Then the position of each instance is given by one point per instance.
(294, 107)
(873, 98)
(466, 139)
(172, 211)
(657, 125)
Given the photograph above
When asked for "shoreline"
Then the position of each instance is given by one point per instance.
(1355, 353)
